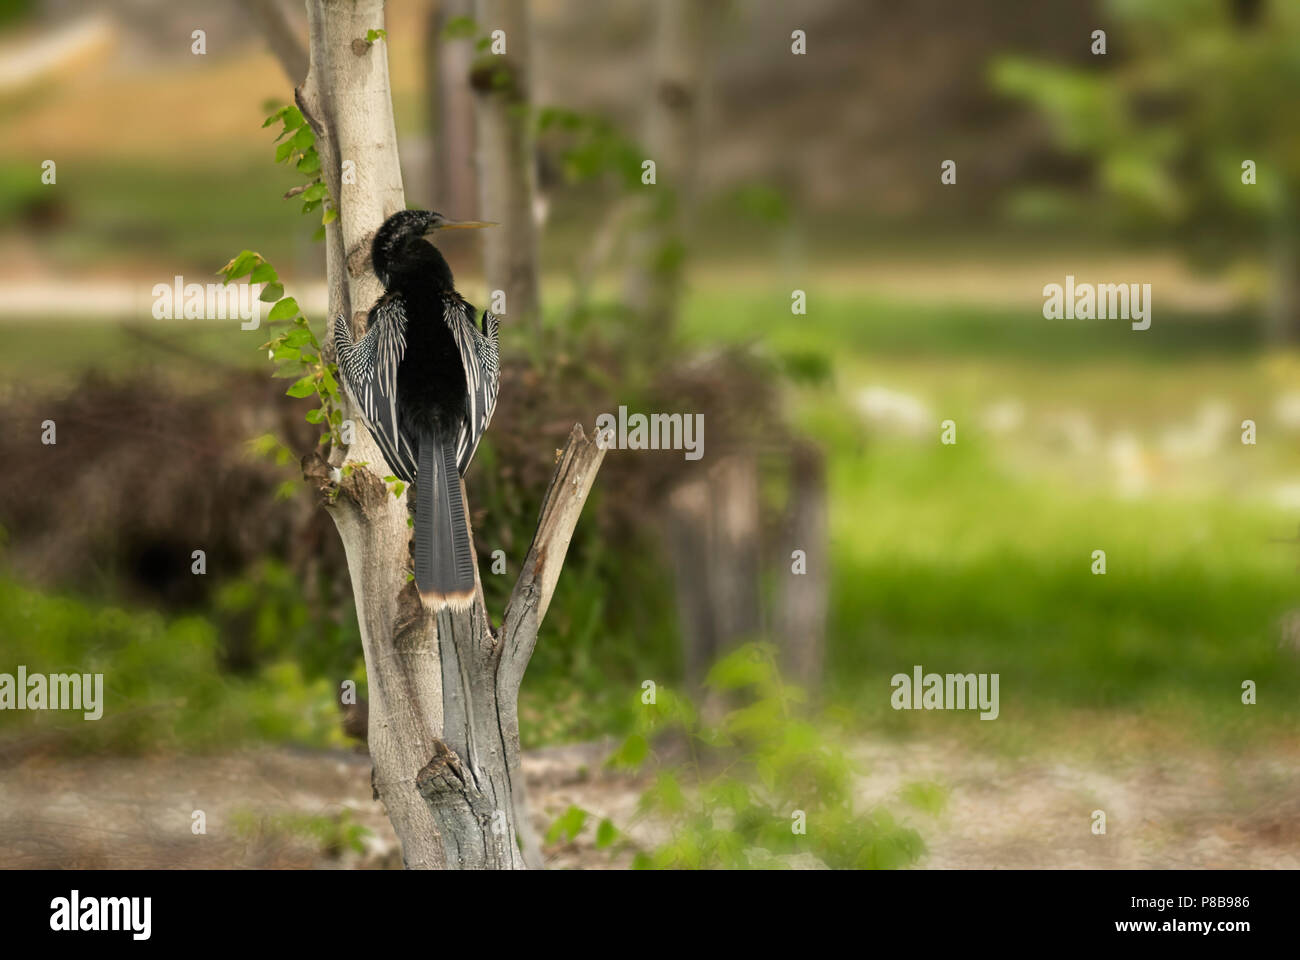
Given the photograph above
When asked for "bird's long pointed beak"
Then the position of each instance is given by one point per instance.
(463, 225)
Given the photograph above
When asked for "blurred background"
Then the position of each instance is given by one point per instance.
(781, 172)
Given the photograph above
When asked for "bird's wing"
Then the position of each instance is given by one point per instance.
(369, 371)
(479, 355)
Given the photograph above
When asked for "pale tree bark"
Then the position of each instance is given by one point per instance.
(443, 726)
(507, 173)
(452, 120)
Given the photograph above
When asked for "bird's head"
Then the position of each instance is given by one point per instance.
(395, 241)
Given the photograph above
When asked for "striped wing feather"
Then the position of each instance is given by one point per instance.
(479, 355)
(369, 372)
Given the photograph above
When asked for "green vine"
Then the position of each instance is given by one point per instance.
(299, 149)
(294, 350)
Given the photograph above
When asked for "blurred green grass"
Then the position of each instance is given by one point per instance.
(962, 558)
(115, 214)
(163, 687)
(942, 560)
(57, 352)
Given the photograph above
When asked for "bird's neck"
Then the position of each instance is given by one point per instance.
(420, 267)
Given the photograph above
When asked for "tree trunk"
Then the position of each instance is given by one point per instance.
(507, 172)
(451, 113)
(443, 728)
(347, 100)
(714, 540)
(688, 547)
(1283, 310)
(802, 598)
(671, 136)
(283, 34)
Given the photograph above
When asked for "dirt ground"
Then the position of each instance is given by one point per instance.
(1227, 812)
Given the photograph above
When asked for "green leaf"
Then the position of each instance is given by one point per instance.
(632, 753)
(280, 113)
(297, 337)
(331, 214)
(304, 387)
(310, 162)
(315, 416)
(282, 151)
(241, 265)
(317, 191)
(303, 139)
(606, 834)
(667, 793)
(567, 825)
(286, 309)
(265, 273)
(744, 667)
(272, 293)
(373, 35)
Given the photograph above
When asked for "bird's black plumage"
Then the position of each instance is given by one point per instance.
(425, 377)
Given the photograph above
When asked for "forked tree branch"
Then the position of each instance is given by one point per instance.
(571, 482)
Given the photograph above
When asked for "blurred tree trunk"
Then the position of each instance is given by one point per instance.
(443, 690)
(803, 597)
(688, 546)
(507, 174)
(714, 537)
(283, 32)
(1283, 310)
(451, 112)
(714, 519)
(684, 32)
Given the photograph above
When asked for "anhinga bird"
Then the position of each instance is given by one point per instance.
(425, 377)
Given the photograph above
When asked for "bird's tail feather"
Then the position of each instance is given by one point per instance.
(444, 555)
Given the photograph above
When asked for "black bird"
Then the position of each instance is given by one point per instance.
(425, 377)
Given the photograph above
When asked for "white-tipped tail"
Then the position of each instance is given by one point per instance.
(457, 600)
